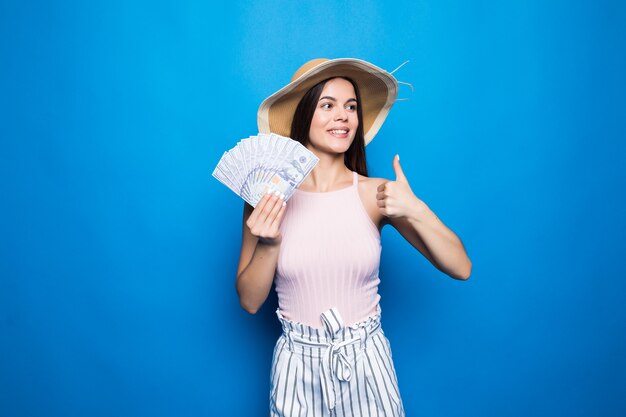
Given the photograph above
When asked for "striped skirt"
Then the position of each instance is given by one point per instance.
(334, 371)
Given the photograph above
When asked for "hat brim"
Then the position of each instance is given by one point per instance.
(378, 89)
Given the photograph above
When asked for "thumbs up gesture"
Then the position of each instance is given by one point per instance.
(395, 198)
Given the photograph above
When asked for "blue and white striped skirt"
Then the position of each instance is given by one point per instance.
(334, 371)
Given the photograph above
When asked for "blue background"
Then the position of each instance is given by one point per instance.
(119, 250)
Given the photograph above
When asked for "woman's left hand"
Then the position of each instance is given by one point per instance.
(395, 198)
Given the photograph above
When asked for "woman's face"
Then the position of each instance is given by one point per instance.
(335, 120)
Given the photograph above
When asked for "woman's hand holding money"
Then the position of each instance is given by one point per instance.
(264, 222)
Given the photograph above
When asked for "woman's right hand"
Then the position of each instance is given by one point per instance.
(265, 219)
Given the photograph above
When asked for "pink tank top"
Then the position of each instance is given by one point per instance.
(329, 257)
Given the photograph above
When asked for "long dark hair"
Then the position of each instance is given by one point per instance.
(354, 157)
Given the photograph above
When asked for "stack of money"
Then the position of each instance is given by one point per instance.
(265, 163)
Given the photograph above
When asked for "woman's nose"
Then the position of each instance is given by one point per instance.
(340, 113)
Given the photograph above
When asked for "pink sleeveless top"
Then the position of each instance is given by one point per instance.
(329, 257)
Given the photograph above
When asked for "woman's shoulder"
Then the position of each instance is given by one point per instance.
(369, 183)
(368, 187)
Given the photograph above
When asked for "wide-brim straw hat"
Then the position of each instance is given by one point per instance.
(378, 88)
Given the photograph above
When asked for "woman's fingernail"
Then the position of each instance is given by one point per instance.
(284, 203)
(282, 196)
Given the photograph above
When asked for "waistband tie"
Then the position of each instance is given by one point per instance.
(334, 362)
(335, 365)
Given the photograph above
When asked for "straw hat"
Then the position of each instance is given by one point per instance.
(378, 89)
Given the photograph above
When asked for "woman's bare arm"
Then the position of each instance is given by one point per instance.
(420, 226)
(260, 245)
(440, 245)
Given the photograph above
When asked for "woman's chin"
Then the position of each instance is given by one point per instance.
(341, 147)
(335, 147)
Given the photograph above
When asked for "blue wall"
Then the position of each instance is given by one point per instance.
(119, 250)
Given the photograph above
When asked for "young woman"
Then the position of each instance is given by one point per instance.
(322, 248)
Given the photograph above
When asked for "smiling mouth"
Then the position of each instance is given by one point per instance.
(339, 132)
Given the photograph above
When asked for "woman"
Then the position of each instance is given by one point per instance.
(323, 247)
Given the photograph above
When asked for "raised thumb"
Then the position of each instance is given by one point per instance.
(398, 169)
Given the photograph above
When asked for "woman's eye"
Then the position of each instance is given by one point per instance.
(351, 107)
(327, 105)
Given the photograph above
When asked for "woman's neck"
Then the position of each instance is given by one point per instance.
(329, 173)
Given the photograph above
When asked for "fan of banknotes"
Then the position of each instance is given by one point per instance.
(265, 163)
